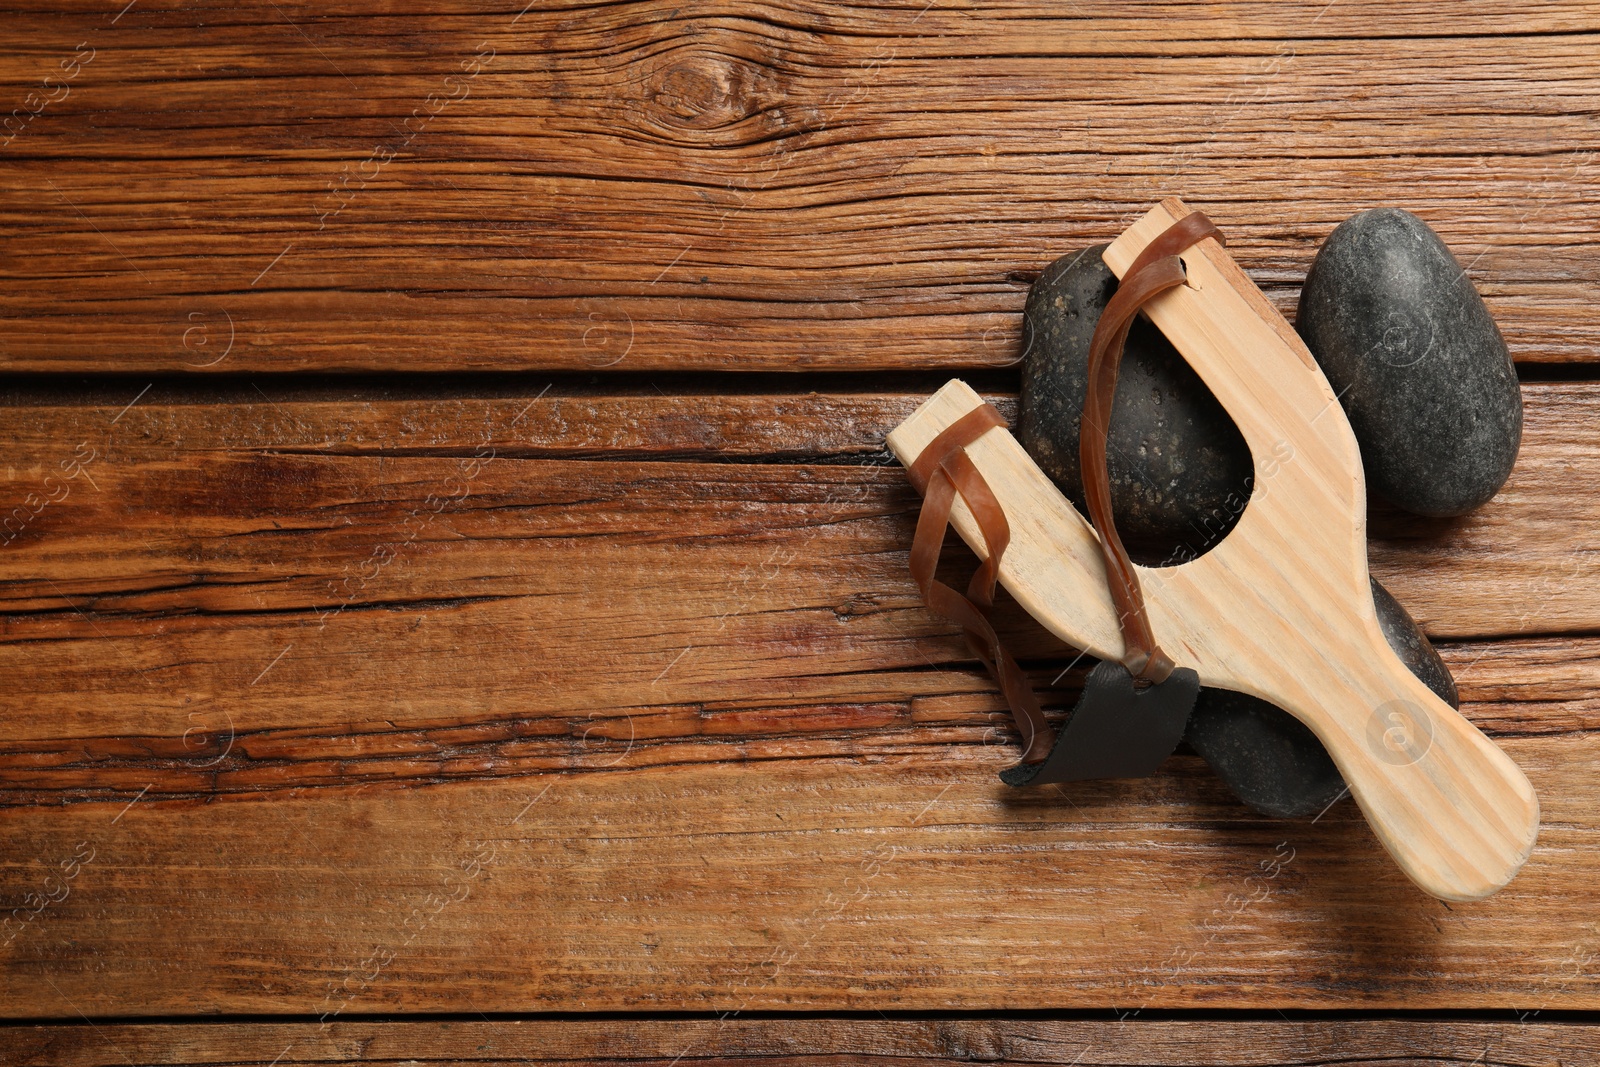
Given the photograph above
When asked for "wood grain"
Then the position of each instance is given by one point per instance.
(789, 1042)
(274, 187)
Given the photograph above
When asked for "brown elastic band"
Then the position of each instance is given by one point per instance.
(942, 470)
(1156, 270)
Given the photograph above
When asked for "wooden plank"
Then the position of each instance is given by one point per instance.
(552, 755)
(649, 186)
(212, 563)
(901, 883)
(795, 1041)
(232, 745)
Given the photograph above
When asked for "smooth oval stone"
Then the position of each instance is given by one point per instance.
(1271, 760)
(1415, 358)
(1180, 471)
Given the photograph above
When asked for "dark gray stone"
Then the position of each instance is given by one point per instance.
(1270, 759)
(1180, 471)
(1418, 363)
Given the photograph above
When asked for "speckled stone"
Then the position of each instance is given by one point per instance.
(1419, 365)
(1180, 470)
(1272, 761)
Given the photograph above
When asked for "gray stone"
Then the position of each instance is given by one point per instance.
(1180, 471)
(1418, 363)
(1271, 760)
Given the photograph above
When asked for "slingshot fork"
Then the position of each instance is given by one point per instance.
(1282, 608)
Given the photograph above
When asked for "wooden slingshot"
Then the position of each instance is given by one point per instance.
(1281, 609)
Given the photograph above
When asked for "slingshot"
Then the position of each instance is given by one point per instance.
(1281, 609)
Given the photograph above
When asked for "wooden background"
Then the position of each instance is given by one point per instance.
(452, 569)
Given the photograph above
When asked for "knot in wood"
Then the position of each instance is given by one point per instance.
(703, 89)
